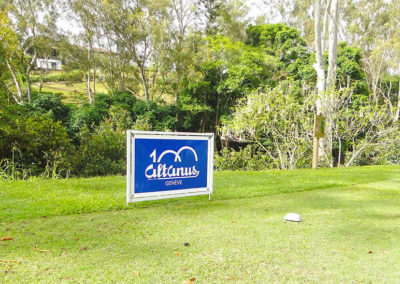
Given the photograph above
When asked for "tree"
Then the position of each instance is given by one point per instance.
(288, 47)
(355, 126)
(294, 13)
(10, 55)
(32, 19)
(275, 120)
(325, 81)
(136, 26)
(182, 19)
(227, 72)
(85, 12)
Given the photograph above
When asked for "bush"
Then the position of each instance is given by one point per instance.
(277, 122)
(91, 114)
(74, 76)
(386, 151)
(50, 104)
(35, 143)
(249, 158)
(101, 152)
(160, 117)
(123, 100)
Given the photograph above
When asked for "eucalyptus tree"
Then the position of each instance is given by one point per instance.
(31, 21)
(85, 13)
(207, 12)
(10, 57)
(232, 19)
(374, 27)
(181, 23)
(325, 28)
(135, 25)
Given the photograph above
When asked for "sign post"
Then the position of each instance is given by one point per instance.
(319, 132)
(166, 165)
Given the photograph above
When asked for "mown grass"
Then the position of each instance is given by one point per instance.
(350, 233)
(74, 93)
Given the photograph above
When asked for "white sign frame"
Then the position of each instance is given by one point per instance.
(131, 196)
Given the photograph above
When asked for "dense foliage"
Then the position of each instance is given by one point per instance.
(252, 85)
(53, 139)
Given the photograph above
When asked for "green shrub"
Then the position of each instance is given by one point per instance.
(91, 114)
(123, 100)
(33, 143)
(74, 76)
(249, 158)
(101, 152)
(50, 104)
(160, 117)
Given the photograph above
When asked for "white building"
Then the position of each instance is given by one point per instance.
(50, 64)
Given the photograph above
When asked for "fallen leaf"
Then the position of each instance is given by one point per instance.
(178, 253)
(84, 248)
(192, 279)
(370, 252)
(6, 238)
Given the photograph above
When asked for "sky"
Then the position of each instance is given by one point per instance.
(256, 8)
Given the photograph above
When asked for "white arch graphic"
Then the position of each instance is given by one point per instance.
(177, 158)
(177, 154)
(188, 148)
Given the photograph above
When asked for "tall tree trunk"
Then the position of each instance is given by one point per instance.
(340, 153)
(94, 73)
(28, 77)
(178, 78)
(328, 80)
(217, 113)
(319, 65)
(332, 59)
(19, 98)
(397, 115)
(144, 81)
(110, 63)
(89, 90)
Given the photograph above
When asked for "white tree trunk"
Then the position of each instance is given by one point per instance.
(89, 89)
(325, 81)
(333, 29)
(319, 66)
(396, 116)
(19, 98)
(28, 78)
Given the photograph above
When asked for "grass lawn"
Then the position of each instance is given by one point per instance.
(75, 93)
(351, 230)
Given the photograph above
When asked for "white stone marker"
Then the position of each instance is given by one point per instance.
(292, 217)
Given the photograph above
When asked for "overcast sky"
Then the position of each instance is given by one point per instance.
(256, 8)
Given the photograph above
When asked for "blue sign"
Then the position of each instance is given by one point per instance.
(162, 165)
(170, 164)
